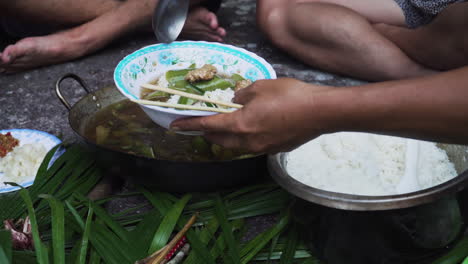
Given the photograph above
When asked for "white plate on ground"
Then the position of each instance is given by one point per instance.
(30, 136)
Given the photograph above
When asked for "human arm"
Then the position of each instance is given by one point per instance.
(281, 114)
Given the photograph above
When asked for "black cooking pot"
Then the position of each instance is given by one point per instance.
(409, 228)
(164, 175)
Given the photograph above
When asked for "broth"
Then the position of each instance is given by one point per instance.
(124, 127)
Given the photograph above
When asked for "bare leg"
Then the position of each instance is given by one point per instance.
(338, 38)
(78, 41)
(119, 19)
(58, 11)
(442, 44)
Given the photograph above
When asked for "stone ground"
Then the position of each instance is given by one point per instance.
(28, 100)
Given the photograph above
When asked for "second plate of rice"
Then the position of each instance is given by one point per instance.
(21, 164)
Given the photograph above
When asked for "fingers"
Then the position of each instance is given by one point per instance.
(216, 123)
(226, 140)
(244, 96)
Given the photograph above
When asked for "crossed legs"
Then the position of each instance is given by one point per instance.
(441, 45)
(340, 36)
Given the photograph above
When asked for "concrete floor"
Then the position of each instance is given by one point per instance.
(28, 100)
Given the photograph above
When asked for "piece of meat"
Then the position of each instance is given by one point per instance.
(7, 143)
(242, 84)
(205, 73)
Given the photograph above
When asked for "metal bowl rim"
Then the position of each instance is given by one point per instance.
(361, 202)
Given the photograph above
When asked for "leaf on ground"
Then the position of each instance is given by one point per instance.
(41, 250)
(165, 229)
(58, 228)
(227, 231)
(5, 247)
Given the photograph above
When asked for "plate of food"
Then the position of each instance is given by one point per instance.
(21, 153)
(188, 78)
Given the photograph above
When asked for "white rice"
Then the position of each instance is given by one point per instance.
(22, 163)
(365, 164)
(162, 81)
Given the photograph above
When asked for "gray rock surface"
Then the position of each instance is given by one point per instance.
(28, 100)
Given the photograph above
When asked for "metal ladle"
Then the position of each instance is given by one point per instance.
(169, 18)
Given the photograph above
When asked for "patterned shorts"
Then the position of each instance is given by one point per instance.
(421, 12)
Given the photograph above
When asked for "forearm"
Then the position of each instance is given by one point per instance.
(432, 108)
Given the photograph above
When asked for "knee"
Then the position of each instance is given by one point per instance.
(272, 20)
(270, 14)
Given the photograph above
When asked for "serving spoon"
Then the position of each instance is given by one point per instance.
(169, 18)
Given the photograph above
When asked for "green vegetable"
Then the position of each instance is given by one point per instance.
(199, 145)
(216, 150)
(157, 95)
(102, 133)
(119, 106)
(216, 83)
(176, 80)
(222, 153)
(196, 88)
(183, 100)
(145, 150)
(236, 77)
(176, 75)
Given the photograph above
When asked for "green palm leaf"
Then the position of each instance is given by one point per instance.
(5, 247)
(58, 228)
(167, 225)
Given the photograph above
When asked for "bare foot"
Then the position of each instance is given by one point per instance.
(202, 24)
(34, 52)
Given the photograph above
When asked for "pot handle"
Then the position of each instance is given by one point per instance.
(58, 91)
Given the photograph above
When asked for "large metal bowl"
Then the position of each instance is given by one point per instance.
(355, 229)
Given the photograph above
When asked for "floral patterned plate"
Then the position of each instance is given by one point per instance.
(30, 136)
(151, 62)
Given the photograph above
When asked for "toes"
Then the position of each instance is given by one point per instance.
(212, 37)
(221, 32)
(11, 53)
(16, 51)
(7, 57)
(203, 35)
(211, 20)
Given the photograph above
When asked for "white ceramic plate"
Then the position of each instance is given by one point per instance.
(30, 136)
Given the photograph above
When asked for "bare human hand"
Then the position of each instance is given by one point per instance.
(278, 115)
